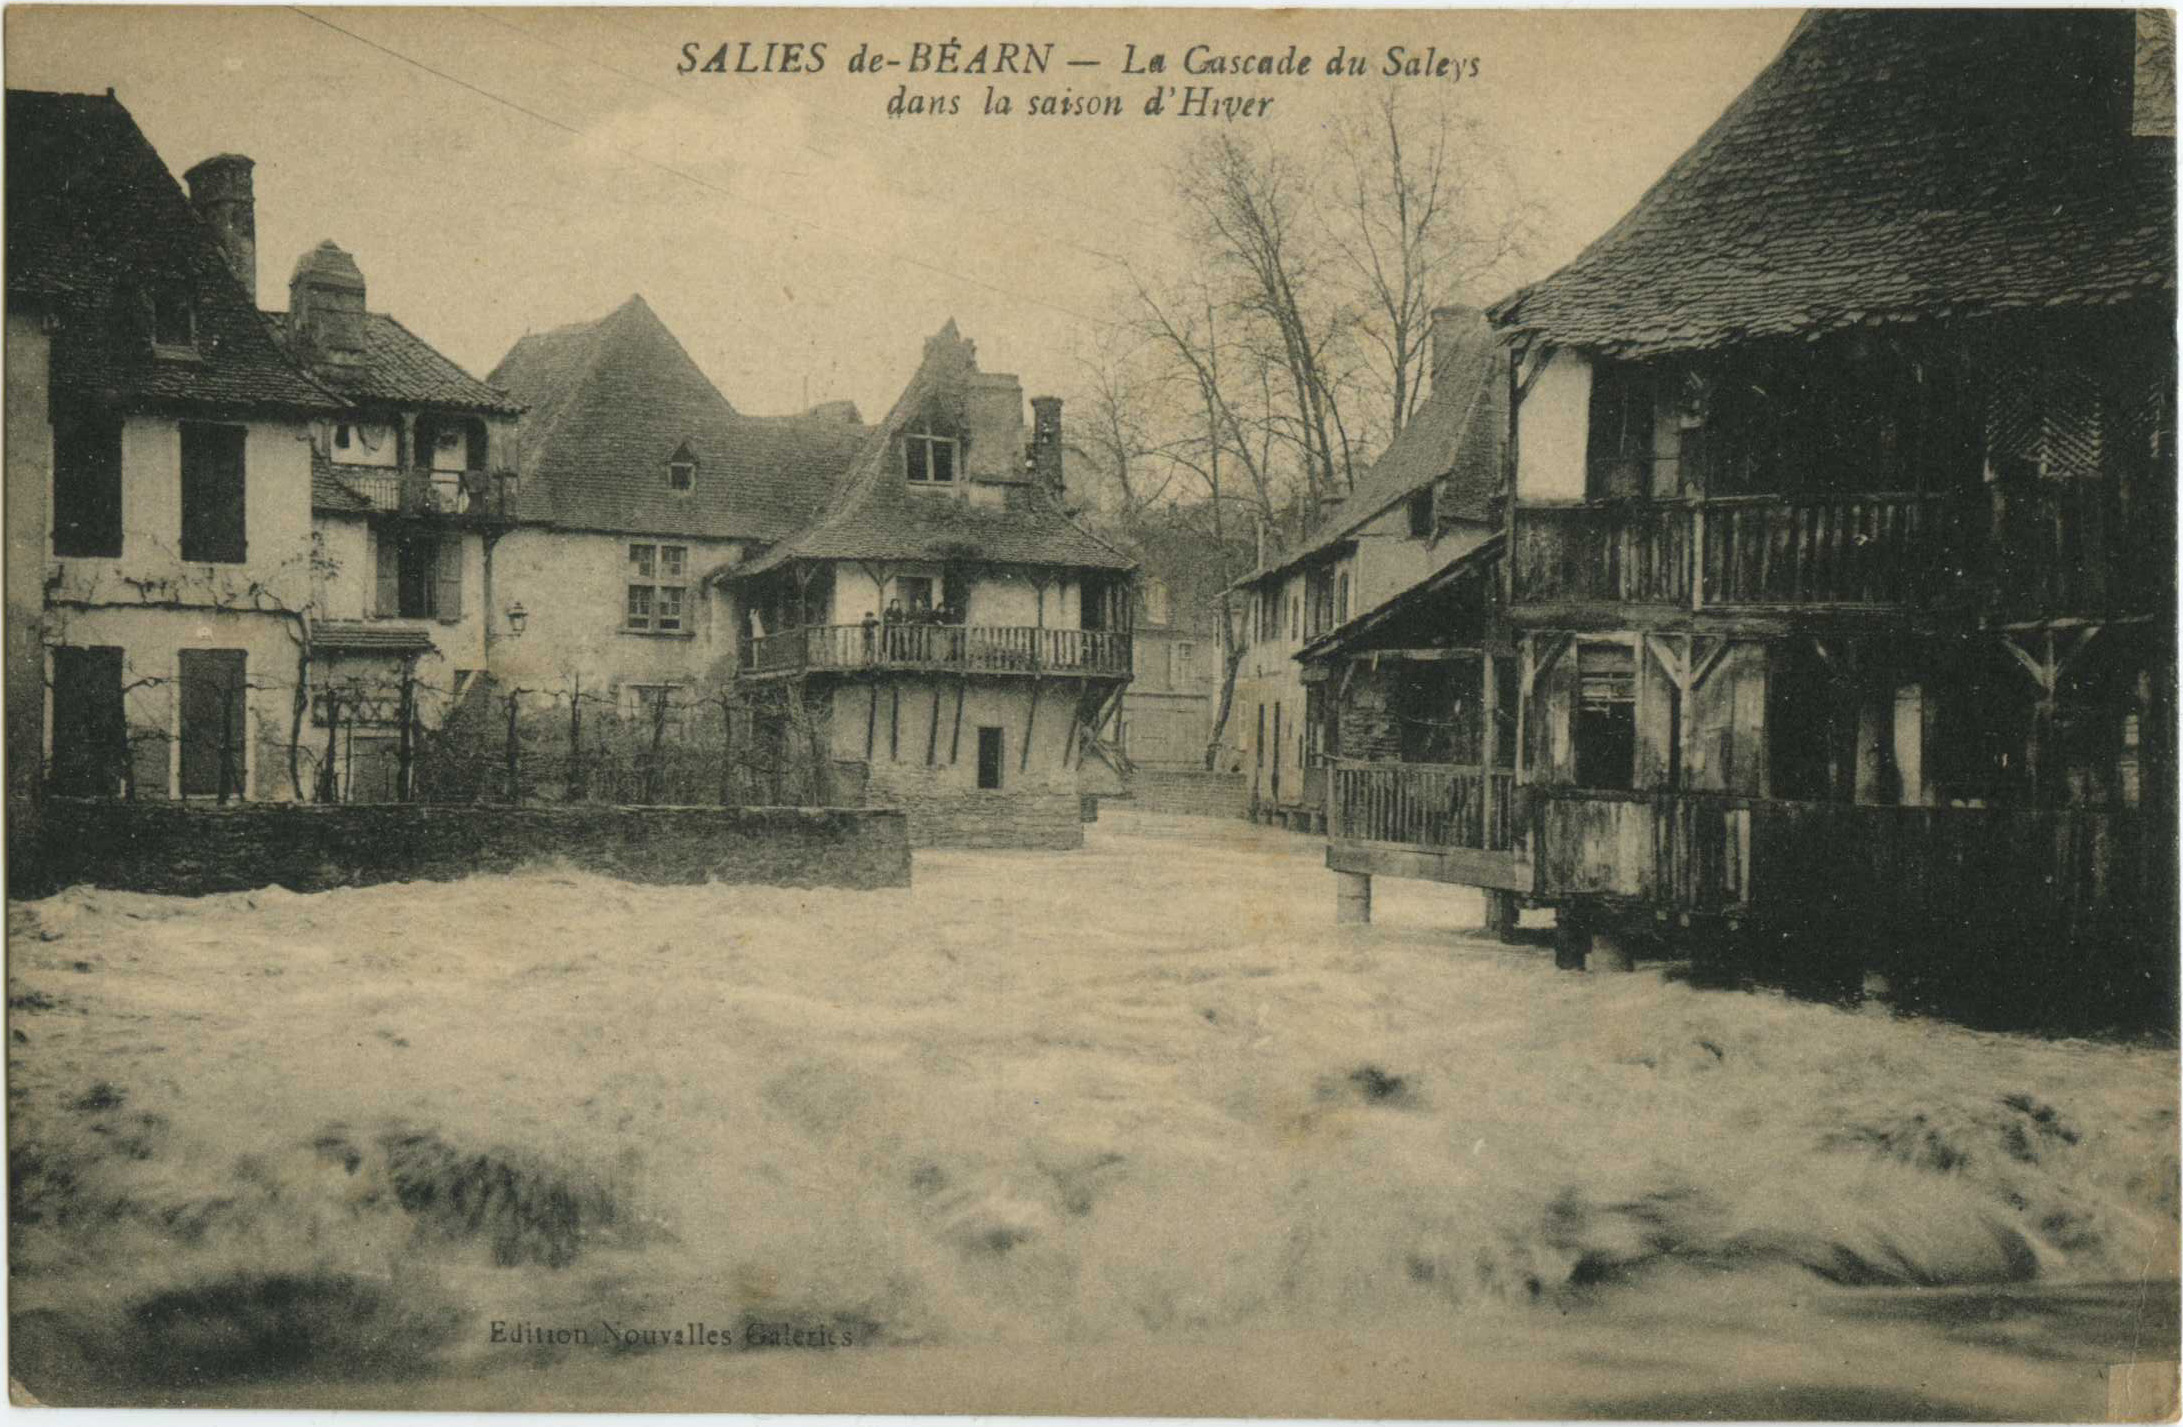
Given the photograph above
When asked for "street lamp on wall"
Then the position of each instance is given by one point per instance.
(517, 617)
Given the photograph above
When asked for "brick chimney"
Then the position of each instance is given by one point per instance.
(326, 306)
(1455, 330)
(1046, 442)
(220, 190)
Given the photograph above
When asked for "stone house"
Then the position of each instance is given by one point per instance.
(943, 634)
(158, 467)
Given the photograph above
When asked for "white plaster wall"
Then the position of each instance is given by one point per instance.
(907, 705)
(349, 589)
(1551, 426)
(574, 587)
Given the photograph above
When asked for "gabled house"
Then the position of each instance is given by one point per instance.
(160, 569)
(943, 633)
(1839, 568)
(638, 480)
(1425, 502)
(412, 487)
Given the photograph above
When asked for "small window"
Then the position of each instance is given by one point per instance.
(989, 758)
(1606, 714)
(930, 456)
(1421, 514)
(343, 435)
(682, 469)
(657, 592)
(174, 317)
(1341, 598)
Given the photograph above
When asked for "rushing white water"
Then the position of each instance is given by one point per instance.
(1142, 1104)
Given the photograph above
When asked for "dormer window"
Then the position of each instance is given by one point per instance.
(174, 317)
(930, 456)
(682, 469)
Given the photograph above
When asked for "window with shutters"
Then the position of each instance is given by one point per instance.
(420, 576)
(90, 743)
(86, 483)
(212, 493)
(658, 589)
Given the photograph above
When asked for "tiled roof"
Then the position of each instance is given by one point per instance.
(876, 516)
(1888, 166)
(401, 368)
(96, 224)
(1455, 433)
(366, 635)
(329, 494)
(610, 401)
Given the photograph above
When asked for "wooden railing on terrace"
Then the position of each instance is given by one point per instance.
(399, 490)
(2046, 549)
(971, 648)
(1422, 805)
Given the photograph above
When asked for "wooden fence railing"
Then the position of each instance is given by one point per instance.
(974, 648)
(1425, 805)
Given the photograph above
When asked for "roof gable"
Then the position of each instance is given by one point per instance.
(613, 403)
(96, 223)
(1888, 166)
(876, 516)
(402, 369)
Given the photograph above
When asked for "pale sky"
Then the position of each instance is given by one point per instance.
(805, 242)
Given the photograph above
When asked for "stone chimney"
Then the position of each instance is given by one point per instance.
(326, 306)
(220, 190)
(993, 418)
(1455, 330)
(1046, 442)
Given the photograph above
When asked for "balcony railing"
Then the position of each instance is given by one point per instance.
(1430, 806)
(397, 490)
(2042, 549)
(957, 648)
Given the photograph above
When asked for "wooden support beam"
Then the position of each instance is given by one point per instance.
(1023, 760)
(894, 721)
(932, 735)
(1076, 719)
(871, 720)
(1702, 666)
(955, 735)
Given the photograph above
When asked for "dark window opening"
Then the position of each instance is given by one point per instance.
(1421, 514)
(931, 456)
(1606, 717)
(989, 758)
(174, 317)
(1811, 729)
(86, 484)
(420, 577)
(343, 434)
(1619, 440)
(682, 469)
(214, 724)
(90, 744)
(212, 493)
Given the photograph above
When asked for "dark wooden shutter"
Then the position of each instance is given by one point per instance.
(88, 738)
(447, 575)
(389, 574)
(212, 493)
(86, 483)
(214, 727)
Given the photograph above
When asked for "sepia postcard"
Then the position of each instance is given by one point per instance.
(1340, 713)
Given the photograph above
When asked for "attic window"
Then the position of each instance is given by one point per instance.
(174, 317)
(930, 456)
(1421, 514)
(682, 469)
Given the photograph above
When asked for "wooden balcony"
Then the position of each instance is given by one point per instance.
(1442, 822)
(939, 648)
(2062, 874)
(422, 494)
(2046, 550)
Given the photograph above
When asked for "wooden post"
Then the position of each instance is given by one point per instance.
(894, 722)
(1500, 914)
(1352, 898)
(871, 719)
(1023, 760)
(955, 735)
(932, 735)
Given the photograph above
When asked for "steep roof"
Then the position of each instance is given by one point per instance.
(1469, 579)
(95, 225)
(876, 516)
(1455, 436)
(611, 401)
(1888, 166)
(402, 369)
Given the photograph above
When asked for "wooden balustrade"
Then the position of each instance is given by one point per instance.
(413, 491)
(1423, 805)
(971, 648)
(2040, 550)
